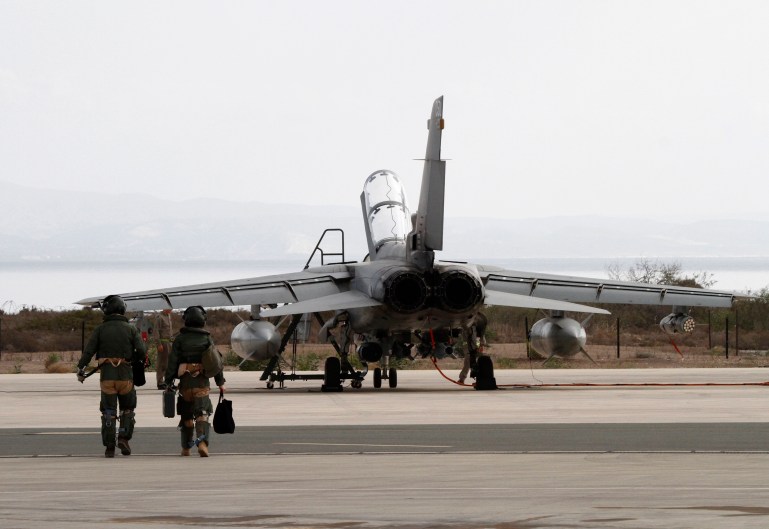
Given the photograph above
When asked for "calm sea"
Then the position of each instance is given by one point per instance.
(50, 285)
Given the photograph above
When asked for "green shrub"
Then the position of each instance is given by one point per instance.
(506, 363)
(251, 365)
(231, 358)
(60, 367)
(555, 363)
(53, 358)
(308, 362)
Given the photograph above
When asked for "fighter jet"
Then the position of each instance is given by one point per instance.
(400, 301)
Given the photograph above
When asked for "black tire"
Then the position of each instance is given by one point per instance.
(392, 377)
(377, 378)
(485, 367)
(485, 374)
(332, 374)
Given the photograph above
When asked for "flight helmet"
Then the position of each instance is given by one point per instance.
(113, 304)
(194, 316)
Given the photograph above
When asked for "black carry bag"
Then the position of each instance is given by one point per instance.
(139, 378)
(223, 421)
(169, 403)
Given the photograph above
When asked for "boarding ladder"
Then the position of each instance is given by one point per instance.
(325, 254)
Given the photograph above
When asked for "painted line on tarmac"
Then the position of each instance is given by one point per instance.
(63, 433)
(404, 453)
(364, 444)
(433, 490)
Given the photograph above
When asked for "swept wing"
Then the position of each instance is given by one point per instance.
(266, 290)
(586, 290)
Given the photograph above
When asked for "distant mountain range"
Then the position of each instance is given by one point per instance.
(96, 226)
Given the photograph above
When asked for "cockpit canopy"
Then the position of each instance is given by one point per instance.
(387, 213)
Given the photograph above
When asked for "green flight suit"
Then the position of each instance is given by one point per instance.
(193, 404)
(116, 344)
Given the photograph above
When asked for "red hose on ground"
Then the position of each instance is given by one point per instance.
(593, 385)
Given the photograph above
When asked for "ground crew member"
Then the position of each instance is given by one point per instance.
(155, 329)
(476, 339)
(116, 344)
(164, 338)
(185, 363)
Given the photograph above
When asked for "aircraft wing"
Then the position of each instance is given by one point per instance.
(351, 299)
(585, 290)
(282, 288)
(507, 299)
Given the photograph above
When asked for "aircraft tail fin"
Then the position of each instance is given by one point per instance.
(428, 228)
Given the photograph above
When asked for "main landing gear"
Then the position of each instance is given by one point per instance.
(484, 374)
(334, 374)
(385, 372)
(391, 375)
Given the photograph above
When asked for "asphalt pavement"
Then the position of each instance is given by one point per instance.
(689, 450)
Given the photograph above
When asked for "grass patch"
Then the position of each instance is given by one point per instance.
(59, 367)
(231, 358)
(555, 363)
(308, 362)
(250, 365)
(506, 363)
(718, 350)
(52, 359)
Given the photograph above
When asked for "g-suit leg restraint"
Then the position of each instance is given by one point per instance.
(108, 426)
(202, 428)
(127, 421)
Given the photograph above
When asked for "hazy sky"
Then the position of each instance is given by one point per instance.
(650, 109)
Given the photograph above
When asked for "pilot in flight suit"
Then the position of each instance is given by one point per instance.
(116, 344)
(185, 363)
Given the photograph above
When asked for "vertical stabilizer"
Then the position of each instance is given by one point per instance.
(428, 226)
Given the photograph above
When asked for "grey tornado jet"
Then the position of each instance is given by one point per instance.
(400, 301)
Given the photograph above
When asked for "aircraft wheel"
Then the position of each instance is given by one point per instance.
(485, 371)
(270, 385)
(392, 377)
(377, 378)
(357, 384)
(332, 375)
(485, 367)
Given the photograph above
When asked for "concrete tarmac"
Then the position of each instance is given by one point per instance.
(428, 454)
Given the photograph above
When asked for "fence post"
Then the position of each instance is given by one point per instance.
(1, 338)
(526, 335)
(736, 333)
(82, 338)
(617, 338)
(710, 332)
(727, 337)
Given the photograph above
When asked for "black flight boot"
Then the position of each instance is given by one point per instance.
(122, 443)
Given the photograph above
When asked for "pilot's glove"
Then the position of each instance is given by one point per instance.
(163, 386)
(80, 375)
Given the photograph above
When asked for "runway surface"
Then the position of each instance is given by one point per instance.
(412, 439)
(427, 454)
